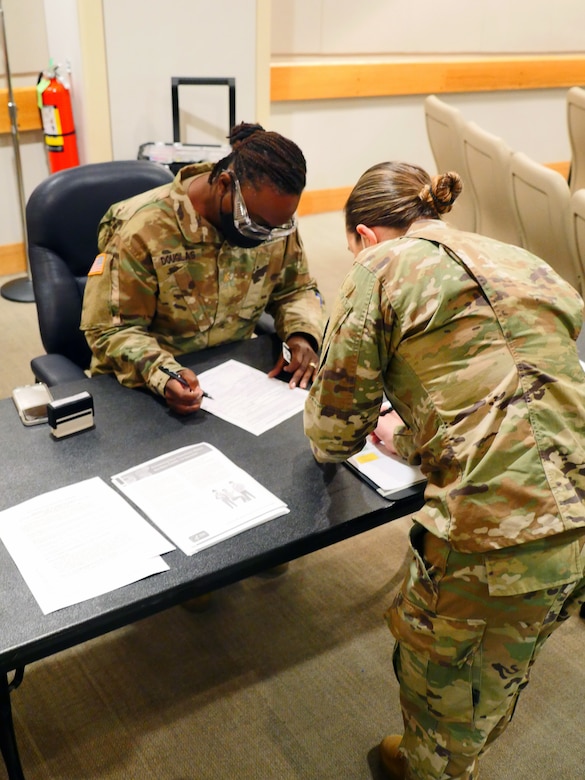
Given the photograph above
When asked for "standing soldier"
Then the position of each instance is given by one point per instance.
(473, 343)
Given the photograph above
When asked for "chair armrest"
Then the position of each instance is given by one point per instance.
(56, 370)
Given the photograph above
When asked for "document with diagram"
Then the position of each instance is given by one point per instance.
(198, 497)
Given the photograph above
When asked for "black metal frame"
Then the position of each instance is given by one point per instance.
(177, 81)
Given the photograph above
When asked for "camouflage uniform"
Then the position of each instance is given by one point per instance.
(473, 343)
(166, 283)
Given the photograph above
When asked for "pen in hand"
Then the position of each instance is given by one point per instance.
(180, 379)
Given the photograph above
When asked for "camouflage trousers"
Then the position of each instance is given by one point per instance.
(468, 632)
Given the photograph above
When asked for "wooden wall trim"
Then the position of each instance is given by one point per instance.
(350, 80)
(317, 201)
(12, 259)
(28, 116)
(563, 168)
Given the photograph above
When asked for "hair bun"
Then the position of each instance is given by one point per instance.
(241, 132)
(443, 191)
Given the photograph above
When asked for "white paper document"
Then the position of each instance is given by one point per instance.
(388, 475)
(198, 497)
(248, 398)
(80, 541)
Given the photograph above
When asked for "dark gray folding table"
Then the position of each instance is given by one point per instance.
(326, 505)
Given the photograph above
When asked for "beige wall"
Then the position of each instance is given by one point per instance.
(341, 138)
(149, 42)
(123, 53)
(27, 55)
(312, 28)
(72, 44)
(25, 35)
(122, 56)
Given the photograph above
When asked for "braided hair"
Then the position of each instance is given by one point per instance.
(259, 156)
(395, 194)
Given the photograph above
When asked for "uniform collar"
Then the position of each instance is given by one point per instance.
(193, 226)
(422, 227)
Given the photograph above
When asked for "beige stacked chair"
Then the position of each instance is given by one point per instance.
(576, 129)
(487, 158)
(444, 125)
(577, 217)
(541, 199)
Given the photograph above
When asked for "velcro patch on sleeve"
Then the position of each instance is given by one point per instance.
(98, 265)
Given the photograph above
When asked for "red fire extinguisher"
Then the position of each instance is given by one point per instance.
(54, 98)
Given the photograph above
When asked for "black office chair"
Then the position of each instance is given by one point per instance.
(62, 214)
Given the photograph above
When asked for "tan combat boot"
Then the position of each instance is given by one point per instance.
(393, 763)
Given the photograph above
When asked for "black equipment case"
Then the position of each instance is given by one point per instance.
(176, 154)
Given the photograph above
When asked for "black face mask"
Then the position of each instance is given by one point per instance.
(231, 234)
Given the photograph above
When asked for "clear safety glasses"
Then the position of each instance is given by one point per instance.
(247, 227)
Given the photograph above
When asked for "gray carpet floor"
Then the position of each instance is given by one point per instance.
(286, 679)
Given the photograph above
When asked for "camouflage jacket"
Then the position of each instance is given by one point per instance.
(472, 341)
(166, 283)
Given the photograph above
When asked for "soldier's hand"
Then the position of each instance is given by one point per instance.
(383, 434)
(184, 400)
(303, 362)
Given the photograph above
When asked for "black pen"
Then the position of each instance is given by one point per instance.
(180, 379)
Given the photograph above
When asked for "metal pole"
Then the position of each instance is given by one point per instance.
(20, 290)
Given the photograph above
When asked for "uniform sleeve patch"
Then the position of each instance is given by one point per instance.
(97, 267)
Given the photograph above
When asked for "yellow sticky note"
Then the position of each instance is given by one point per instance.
(367, 457)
